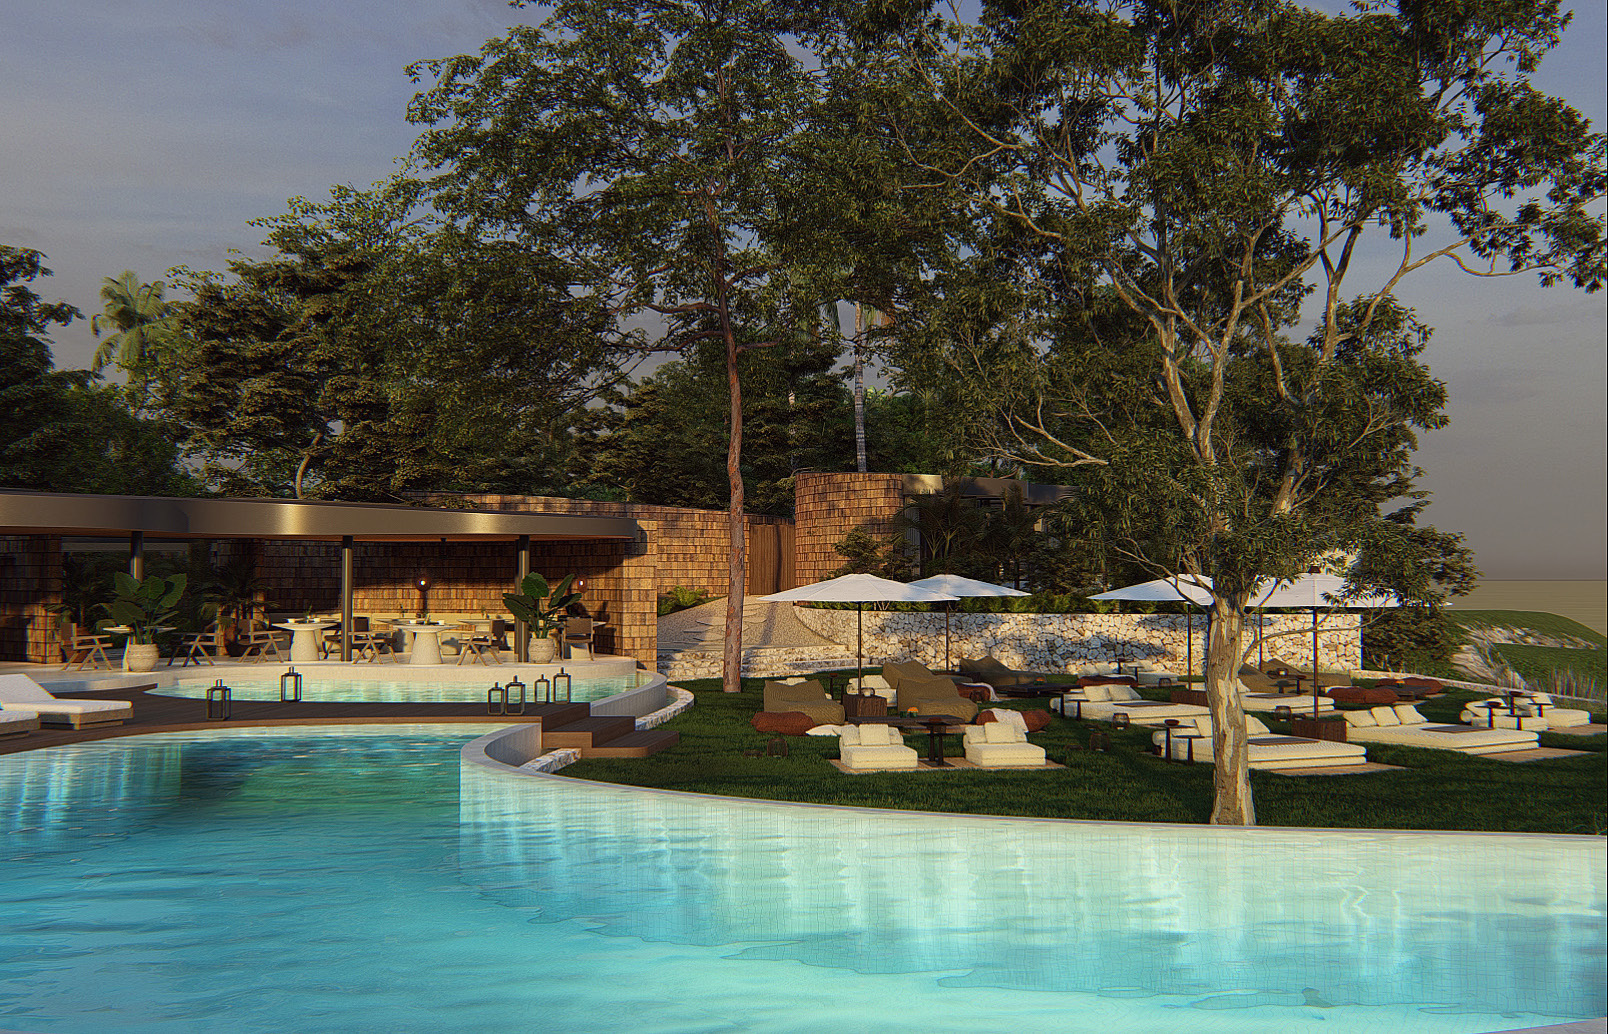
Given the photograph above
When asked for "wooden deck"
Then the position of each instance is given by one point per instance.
(563, 725)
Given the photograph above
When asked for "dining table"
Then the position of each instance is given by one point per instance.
(305, 636)
(426, 638)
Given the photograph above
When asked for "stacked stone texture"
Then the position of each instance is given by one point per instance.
(829, 506)
(1075, 642)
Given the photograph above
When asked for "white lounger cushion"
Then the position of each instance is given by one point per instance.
(1385, 715)
(21, 694)
(1139, 712)
(1556, 717)
(1497, 717)
(1266, 751)
(1000, 744)
(12, 722)
(874, 746)
(1460, 738)
(1274, 701)
(1097, 692)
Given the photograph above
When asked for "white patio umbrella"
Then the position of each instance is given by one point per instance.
(1313, 591)
(955, 585)
(1181, 588)
(858, 589)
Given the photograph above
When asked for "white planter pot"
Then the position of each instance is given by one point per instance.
(542, 649)
(139, 656)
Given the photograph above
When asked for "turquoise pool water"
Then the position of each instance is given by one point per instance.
(254, 880)
(316, 686)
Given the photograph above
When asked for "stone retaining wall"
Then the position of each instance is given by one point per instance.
(1070, 642)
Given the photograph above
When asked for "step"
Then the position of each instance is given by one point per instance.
(635, 744)
(587, 733)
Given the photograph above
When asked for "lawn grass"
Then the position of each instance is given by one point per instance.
(1438, 790)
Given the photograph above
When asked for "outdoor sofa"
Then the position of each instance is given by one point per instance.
(20, 694)
(1192, 740)
(875, 746)
(1403, 725)
(1001, 745)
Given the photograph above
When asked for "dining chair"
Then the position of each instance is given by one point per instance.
(206, 645)
(579, 632)
(86, 648)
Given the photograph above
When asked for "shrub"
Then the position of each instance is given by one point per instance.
(680, 598)
(1408, 639)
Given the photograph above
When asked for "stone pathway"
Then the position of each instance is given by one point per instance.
(692, 642)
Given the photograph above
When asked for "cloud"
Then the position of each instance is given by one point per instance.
(1531, 316)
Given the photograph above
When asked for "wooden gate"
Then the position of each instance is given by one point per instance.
(770, 558)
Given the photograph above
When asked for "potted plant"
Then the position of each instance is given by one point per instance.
(144, 607)
(543, 619)
(236, 592)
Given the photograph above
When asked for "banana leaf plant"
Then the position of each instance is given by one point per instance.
(527, 604)
(145, 606)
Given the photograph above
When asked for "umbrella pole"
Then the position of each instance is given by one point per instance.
(1315, 686)
(1189, 641)
(1261, 662)
(859, 640)
(946, 638)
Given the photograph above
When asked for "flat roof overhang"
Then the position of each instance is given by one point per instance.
(69, 514)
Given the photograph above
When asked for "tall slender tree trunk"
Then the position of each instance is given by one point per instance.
(859, 387)
(737, 581)
(1231, 805)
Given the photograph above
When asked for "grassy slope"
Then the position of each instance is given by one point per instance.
(1537, 663)
(1439, 789)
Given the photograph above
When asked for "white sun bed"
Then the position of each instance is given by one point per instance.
(1264, 750)
(1540, 705)
(1103, 702)
(16, 723)
(20, 694)
(1475, 713)
(874, 746)
(1000, 745)
(1402, 724)
(1296, 702)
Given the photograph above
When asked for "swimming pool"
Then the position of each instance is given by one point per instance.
(317, 686)
(265, 880)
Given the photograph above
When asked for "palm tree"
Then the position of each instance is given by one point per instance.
(142, 325)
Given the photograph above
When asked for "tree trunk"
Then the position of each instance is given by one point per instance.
(859, 387)
(1231, 801)
(737, 583)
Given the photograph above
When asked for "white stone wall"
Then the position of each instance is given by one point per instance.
(1074, 642)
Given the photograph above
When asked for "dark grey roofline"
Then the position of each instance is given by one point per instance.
(52, 513)
(988, 488)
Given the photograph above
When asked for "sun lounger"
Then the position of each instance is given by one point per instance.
(806, 696)
(1102, 702)
(1264, 750)
(1403, 725)
(1000, 745)
(21, 694)
(1000, 675)
(1540, 705)
(875, 746)
(1493, 714)
(18, 723)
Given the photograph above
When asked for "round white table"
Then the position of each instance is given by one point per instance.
(304, 637)
(426, 636)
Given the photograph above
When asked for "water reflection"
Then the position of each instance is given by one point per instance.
(1478, 923)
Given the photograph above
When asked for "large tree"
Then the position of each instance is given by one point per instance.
(63, 432)
(644, 147)
(1201, 181)
(139, 327)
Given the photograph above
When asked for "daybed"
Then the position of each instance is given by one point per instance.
(1497, 716)
(1296, 702)
(1264, 750)
(1402, 724)
(1102, 701)
(1000, 675)
(875, 746)
(21, 694)
(1540, 705)
(807, 697)
(1000, 745)
(878, 685)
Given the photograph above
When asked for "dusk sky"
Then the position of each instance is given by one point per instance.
(145, 136)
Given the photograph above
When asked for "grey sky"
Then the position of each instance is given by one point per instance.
(145, 135)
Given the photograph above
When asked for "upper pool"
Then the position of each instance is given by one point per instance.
(366, 879)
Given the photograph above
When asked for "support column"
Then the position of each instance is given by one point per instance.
(136, 555)
(346, 597)
(521, 633)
